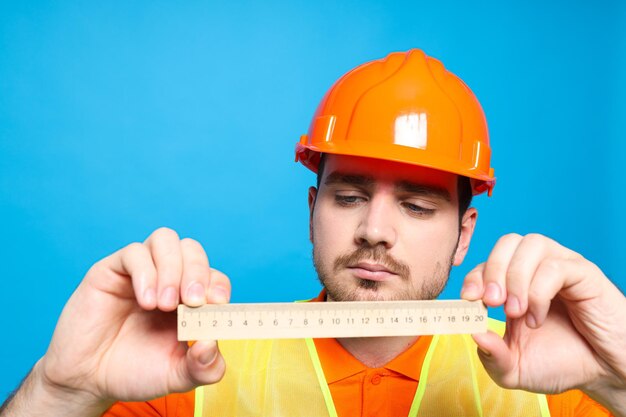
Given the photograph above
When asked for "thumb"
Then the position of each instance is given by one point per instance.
(497, 359)
(202, 365)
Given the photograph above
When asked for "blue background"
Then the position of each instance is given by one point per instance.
(120, 117)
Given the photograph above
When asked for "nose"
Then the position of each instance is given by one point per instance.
(376, 227)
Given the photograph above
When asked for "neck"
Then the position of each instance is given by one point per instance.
(375, 352)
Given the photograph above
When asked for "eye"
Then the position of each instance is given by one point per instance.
(347, 200)
(418, 210)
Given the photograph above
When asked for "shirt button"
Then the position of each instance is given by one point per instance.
(376, 379)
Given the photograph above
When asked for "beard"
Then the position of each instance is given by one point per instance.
(427, 288)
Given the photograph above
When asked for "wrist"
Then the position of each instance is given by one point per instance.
(40, 396)
(78, 399)
(611, 396)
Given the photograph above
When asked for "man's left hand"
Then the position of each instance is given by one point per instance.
(564, 321)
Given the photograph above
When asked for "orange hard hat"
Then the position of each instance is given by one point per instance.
(407, 108)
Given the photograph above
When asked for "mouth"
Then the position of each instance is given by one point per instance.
(371, 271)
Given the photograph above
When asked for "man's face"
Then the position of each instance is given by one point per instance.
(385, 230)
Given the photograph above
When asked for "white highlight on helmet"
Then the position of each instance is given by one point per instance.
(411, 130)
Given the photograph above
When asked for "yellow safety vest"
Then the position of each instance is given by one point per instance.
(285, 378)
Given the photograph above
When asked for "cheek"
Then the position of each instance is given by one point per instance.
(331, 233)
(430, 241)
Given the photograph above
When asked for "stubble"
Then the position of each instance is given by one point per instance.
(428, 287)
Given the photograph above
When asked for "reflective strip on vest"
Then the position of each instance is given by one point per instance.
(285, 378)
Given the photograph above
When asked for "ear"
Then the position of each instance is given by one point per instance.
(468, 223)
(312, 196)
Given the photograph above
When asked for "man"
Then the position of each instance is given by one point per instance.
(400, 145)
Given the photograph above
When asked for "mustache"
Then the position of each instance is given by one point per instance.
(377, 254)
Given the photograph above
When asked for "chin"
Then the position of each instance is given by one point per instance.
(366, 290)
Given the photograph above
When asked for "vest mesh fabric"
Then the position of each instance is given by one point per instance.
(280, 378)
(264, 378)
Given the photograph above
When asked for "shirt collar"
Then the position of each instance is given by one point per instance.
(339, 364)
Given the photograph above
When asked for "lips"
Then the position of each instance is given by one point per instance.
(371, 271)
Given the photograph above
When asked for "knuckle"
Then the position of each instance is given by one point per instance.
(220, 276)
(193, 247)
(98, 269)
(197, 272)
(510, 237)
(536, 239)
(190, 242)
(516, 275)
(586, 265)
(193, 254)
(504, 241)
(168, 275)
(476, 274)
(495, 269)
(473, 275)
(551, 265)
(134, 248)
(165, 233)
(535, 296)
(577, 257)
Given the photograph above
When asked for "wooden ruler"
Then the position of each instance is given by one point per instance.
(330, 319)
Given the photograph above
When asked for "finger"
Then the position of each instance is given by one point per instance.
(473, 284)
(164, 245)
(496, 267)
(497, 358)
(524, 262)
(533, 250)
(552, 275)
(219, 288)
(135, 261)
(203, 364)
(196, 273)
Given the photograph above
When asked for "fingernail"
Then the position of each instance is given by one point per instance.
(531, 321)
(196, 294)
(493, 291)
(149, 296)
(169, 297)
(512, 305)
(219, 295)
(206, 358)
(469, 290)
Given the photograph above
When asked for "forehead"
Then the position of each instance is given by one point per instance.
(380, 170)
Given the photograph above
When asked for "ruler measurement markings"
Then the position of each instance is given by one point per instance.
(368, 319)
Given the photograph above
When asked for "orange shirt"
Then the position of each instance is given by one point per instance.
(361, 391)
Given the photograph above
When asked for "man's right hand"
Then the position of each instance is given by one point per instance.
(116, 337)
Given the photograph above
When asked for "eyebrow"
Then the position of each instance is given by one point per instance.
(350, 179)
(420, 189)
(404, 186)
